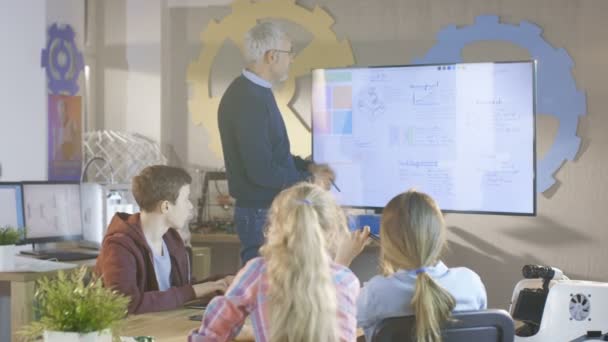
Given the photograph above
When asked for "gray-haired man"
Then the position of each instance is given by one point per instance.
(257, 155)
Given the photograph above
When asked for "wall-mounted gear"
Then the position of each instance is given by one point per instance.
(324, 51)
(62, 60)
(557, 94)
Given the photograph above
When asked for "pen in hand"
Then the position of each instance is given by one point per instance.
(334, 184)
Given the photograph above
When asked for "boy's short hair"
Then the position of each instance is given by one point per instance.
(158, 183)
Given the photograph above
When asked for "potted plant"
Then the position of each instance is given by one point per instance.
(74, 308)
(9, 236)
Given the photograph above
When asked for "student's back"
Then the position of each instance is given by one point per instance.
(391, 296)
(295, 291)
(237, 304)
(414, 280)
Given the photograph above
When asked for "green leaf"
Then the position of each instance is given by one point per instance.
(9, 235)
(76, 302)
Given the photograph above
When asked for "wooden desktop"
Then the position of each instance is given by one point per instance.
(175, 326)
(164, 326)
(172, 326)
(22, 289)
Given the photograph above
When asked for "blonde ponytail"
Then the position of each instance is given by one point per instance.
(432, 306)
(302, 300)
(413, 237)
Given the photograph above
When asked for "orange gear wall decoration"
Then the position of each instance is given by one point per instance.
(324, 51)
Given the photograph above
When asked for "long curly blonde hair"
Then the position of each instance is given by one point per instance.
(413, 236)
(304, 224)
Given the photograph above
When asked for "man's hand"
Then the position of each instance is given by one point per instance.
(322, 175)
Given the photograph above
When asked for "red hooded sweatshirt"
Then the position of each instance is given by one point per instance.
(125, 264)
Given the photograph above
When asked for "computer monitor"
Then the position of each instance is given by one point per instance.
(463, 133)
(99, 203)
(91, 195)
(52, 211)
(11, 205)
(118, 198)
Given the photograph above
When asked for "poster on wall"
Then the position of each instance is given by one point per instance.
(65, 137)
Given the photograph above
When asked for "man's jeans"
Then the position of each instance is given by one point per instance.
(250, 224)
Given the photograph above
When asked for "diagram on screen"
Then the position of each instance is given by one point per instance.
(425, 94)
(43, 214)
(50, 210)
(370, 104)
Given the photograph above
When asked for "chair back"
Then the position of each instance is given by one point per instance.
(479, 326)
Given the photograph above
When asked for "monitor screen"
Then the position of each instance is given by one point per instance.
(462, 133)
(11, 205)
(52, 211)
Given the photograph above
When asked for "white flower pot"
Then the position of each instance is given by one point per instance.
(7, 258)
(61, 336)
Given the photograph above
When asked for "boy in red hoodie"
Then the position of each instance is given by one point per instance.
(143, 256)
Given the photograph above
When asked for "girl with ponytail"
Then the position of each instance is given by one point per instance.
(294, 292)
(414, 280)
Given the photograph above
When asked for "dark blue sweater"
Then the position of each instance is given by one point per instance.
(257, 155)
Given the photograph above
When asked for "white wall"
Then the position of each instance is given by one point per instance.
(68, 12)
(23, 95)
(130, 60)
(23, 120)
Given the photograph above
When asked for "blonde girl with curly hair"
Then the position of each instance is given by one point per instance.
(297, 291)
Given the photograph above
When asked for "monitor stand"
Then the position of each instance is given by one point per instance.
(42, 249)
(37, 249)
(59, 254)
(89, 245)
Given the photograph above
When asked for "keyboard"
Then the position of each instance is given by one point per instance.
(197, 304)
(65, 255)
(196, 318)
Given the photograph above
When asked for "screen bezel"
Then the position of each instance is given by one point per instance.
(533, 62)
(51, 238)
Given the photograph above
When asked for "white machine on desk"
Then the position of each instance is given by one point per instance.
(553, 308)
(99, 204)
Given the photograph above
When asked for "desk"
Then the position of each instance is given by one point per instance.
(170, 326)
(197, 238)
(22, 288)
(233, 239)
(225, 251)
(163, 326)
(174, 326)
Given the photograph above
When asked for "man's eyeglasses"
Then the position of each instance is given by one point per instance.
(291, 53)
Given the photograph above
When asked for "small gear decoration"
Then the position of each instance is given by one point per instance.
(557, 94)
(62, 60)
(324, 51)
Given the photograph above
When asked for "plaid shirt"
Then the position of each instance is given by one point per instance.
(247, 295)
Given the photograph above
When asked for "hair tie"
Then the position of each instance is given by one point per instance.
(419, 270)
(305, 201)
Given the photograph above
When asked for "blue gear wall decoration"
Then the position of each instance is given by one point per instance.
(557, 94)
(62, 60)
